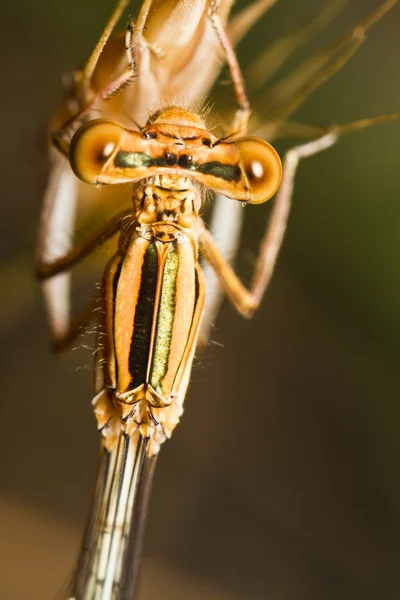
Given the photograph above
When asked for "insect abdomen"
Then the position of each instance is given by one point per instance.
(155, 313)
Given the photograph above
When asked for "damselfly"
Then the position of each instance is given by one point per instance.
(152, 294)
(152, 301)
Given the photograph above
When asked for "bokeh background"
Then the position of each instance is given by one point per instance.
(282, 481)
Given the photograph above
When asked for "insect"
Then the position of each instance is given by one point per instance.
(152, 300)
(152, 294)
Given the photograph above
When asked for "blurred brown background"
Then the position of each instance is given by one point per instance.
(282, 482)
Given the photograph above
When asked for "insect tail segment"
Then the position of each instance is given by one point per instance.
(108, 566)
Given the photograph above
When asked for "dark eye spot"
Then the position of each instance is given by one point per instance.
(206, 142)
(150, 135)
(170, 158)
(185, 161)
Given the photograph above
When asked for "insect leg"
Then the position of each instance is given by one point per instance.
(134, 35)
(62, 137)
(226, 218)
(89, 68)
(246, 301)
(242, 115)
(82, 92)
(45, 269)
(56, 284)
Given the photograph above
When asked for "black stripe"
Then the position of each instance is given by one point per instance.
(196, 289)
(117, 275)
(140, 345)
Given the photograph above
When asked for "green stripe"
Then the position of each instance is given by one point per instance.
(220, 170)
(135, 160)
(165, 320)
(132, 160)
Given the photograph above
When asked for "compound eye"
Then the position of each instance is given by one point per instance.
(262, 167)
(91, 147)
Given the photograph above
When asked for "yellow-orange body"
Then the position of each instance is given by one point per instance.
(153, 289)
(153, 300)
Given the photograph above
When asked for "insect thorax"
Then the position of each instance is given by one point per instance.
(168, 200)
